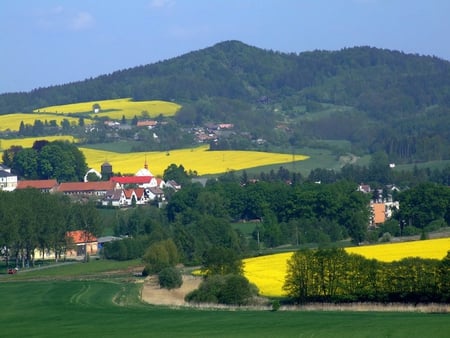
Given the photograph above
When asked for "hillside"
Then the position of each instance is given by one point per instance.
(376, 99)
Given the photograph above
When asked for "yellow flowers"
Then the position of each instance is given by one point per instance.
(12, 121)
(433, 248)
(29, 141)
(115, 109)
(195, 159)
(269, 272)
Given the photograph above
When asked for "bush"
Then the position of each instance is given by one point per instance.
(170, 278)
(229, 289)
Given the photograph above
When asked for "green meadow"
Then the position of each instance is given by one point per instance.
(83, 300)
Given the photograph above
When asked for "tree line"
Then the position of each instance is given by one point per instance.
(33, 223)
(333, 275)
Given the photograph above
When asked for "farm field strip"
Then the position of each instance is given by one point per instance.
(196, 159)
(12, 121)
(268, 272)
(28, 141)
(117, 108)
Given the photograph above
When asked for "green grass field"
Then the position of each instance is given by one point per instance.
(112, 309)
(78, 305)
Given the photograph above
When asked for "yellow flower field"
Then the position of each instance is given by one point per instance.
(268, 272)
(12, 121)
(117, 108)
(432, 248)
(28, 142)
(196, 159)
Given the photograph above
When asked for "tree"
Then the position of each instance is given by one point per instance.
(222, 261)
(86, 217)
(170, 278)
(160, 255)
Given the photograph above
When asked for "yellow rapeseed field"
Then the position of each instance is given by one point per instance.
(433, 248)
(196, 159)
(12, 121)
(268, 272)
(28, 142)
(117, 108)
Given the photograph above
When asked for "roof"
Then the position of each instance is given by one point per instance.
(4, 173)
(132, 179)
(37, 184)
(78, 236)
(86, 186)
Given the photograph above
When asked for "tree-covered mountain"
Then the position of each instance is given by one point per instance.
(379, 100)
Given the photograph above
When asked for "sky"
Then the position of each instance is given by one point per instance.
(48, 42)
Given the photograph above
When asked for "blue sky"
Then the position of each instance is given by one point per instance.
(49, 42)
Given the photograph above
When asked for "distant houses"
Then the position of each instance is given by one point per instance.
(118, 191)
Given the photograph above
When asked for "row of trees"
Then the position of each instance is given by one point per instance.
(334, 275)
(31, 221)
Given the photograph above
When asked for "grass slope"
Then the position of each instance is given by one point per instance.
(112, 309)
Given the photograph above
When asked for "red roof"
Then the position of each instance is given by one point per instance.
(132, 179)
(78, 236)
(86, 186)
(37, 184)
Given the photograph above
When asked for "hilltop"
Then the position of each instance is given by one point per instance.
(359, 100)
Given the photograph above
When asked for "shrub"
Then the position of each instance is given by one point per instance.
(229, 289)
(170, 278)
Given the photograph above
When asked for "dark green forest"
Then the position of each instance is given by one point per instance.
(379, 100)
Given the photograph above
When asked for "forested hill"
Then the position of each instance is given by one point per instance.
(378, 99)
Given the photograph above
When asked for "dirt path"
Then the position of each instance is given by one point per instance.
(153, 294)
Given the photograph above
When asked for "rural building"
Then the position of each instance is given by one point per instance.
(83, 242)
(42, 185)
(8, 181)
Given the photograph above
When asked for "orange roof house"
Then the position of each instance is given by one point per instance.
(87, 188)
(379, 213)
(84, 242)
(42, 185)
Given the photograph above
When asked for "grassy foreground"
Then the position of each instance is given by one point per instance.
(111, 308)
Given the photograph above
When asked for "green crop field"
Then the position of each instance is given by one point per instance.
(91, 304)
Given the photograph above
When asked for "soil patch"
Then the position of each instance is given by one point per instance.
(152, 293)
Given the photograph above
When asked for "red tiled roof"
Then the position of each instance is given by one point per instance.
(132, 179)
(139, 192)
(128, 193)
(78, 236)
(86, 186)
(37, 184)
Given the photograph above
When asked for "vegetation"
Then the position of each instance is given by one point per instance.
(334, 275)
(170, 278)
(115, 308)
(59, 160)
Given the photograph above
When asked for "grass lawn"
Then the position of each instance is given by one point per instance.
(112, 309)
(81, 300)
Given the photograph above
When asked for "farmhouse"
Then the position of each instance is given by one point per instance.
(99, 188)
(8, 181)
(42, 185)
(83, 241)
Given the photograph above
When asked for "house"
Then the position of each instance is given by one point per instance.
(42, 185)
(173, 185)
(114, 198)
(137, 181)
(150, 124)
(83, 242)
(98, 189)
(155, 193)
(8, 181)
